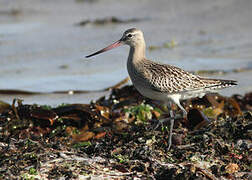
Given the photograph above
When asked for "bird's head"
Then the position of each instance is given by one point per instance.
(132, 37)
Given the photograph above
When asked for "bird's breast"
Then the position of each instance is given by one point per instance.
(140, 79)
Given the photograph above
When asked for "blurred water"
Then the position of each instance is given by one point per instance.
(42, 48)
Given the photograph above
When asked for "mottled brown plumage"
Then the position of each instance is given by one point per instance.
(161, 81)
(170, 79)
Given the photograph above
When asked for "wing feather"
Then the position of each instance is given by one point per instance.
(171, 79)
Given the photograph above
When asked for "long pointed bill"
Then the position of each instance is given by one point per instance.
(114, 45)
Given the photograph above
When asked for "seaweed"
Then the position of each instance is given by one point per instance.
(116, 138)
(108, 20)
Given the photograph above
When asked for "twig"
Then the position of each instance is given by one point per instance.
(185, 146)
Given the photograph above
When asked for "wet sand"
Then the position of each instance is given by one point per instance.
(42, 48)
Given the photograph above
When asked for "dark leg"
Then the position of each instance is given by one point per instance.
(171, 118)
(172, 123)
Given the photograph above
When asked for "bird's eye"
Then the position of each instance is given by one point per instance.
(129, 35)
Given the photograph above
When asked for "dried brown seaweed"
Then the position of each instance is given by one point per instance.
(114, 137)
(108, 20)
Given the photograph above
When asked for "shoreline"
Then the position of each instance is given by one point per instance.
(115, 137)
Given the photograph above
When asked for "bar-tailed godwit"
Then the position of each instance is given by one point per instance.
(163, 82)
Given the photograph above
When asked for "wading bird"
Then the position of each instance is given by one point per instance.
(163, 82)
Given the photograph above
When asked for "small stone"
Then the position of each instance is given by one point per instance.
(232, 168)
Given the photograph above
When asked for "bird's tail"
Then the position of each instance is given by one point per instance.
(228, 82)
(218, 83)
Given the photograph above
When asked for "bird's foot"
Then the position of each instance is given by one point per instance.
(162, 122)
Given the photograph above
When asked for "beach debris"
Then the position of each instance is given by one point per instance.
(109, 20)
(222, 72)
(232, 168)
(11, 12)
(196, 119)
(113, 137)
(4, 106)
(169, 45)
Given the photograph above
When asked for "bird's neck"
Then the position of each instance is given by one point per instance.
(137, 53)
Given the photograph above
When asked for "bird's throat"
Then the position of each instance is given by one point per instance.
(137, 53)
